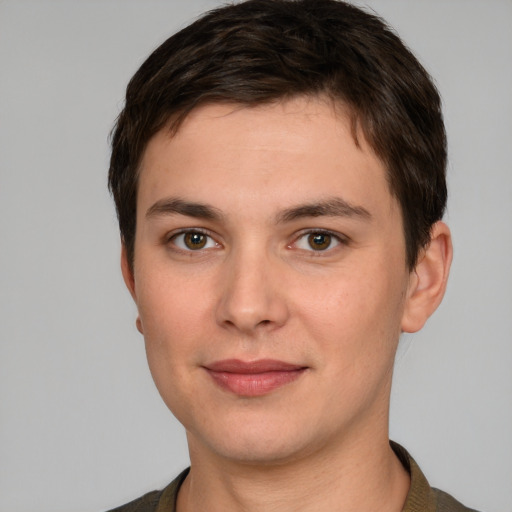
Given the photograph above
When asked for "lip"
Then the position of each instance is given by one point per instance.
(253, 378)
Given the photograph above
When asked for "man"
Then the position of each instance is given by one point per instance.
(279, 177)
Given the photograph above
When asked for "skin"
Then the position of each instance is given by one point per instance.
(259, 289)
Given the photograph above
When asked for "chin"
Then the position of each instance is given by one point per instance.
(265, 445)
(260, 452)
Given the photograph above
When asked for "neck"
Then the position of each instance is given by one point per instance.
(361, 475)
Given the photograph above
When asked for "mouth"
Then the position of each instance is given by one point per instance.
(253, 378)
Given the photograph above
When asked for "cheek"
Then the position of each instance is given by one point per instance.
(359, 311)
(173, 313)
(168, 303)
(172, 333)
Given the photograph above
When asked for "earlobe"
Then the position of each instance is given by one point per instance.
(428, 280)
(138, 324)
(127, 271)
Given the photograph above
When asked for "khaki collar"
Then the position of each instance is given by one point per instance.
(420, 498)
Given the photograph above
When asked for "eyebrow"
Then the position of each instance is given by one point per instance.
(175, 205)
(332, 207)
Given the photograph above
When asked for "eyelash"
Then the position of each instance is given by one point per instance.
(334, 237)
(193, 231)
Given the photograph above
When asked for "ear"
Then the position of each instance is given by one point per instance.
(129, 280)
(428, 280)
(127, 271)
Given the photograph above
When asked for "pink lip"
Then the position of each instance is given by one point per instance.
(253, 378)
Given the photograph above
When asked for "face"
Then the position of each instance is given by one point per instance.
(270, 279)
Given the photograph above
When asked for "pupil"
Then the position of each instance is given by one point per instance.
(195, 240)
(319, 241)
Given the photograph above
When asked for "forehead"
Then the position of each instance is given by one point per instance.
(284, 152)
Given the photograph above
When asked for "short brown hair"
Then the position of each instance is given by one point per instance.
(260, 51)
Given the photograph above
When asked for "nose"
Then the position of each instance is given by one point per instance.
(252, 295)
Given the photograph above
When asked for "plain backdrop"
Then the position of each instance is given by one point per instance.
(82, 427)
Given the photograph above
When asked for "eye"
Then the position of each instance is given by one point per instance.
(317, 241)
(193, 241)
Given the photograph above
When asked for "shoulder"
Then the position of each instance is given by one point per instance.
(156, 501)
(422, 497)
(447, 503)
(146, 503)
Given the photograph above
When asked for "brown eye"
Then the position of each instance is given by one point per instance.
(319, 241)
(195, 240)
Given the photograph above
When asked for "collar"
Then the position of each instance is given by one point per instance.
(420, 498)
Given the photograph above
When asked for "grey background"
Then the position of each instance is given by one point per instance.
(81, 426)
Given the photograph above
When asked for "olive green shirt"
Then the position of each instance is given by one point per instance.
(420, 498)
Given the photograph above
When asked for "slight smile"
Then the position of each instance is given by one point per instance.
(254, 378)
